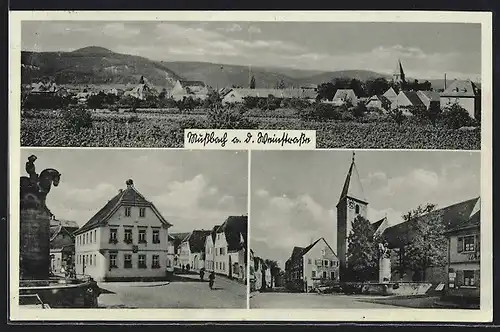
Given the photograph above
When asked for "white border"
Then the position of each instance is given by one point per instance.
(332, 315)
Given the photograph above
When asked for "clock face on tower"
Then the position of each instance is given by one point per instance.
(351, 205)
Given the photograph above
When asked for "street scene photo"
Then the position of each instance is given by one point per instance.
(359, 85)
(133, 228)
(365, 229)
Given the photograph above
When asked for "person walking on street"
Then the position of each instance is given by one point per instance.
(211, 280)
(202, 273)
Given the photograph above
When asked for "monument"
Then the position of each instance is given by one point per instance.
(384, 263)
(34, 247)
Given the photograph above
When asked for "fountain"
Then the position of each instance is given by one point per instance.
(34, 251)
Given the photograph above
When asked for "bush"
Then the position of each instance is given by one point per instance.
(229, 118)
(397, 115)
(455, 117)
(77, 118)
(359, 110)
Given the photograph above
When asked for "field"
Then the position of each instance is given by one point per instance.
(153, 129)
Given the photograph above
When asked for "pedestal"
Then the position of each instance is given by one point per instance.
(384, 274)
(34, 251)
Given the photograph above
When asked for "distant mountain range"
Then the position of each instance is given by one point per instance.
(98, 65)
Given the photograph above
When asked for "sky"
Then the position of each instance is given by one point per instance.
(427, 50)
(294, 193)
(191, 189)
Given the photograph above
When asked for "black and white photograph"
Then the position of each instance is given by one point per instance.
(133, 229)
(399, 85)
(365, 229)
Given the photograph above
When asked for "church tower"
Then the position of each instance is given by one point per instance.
(398, 78)
(352, 203)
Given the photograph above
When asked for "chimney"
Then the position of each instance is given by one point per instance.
(445, 81)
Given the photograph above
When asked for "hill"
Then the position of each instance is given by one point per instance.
(93, 65)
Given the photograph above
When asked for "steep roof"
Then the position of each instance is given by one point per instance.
(343, 93)
(299, 252)
(179, 236)
(453, 216)
(352, 185)
(414, 98)
(69, 224)
(431, 95)
(390, 93)
(196, 240)
(461, 89)
(234, 228)
(126, 197)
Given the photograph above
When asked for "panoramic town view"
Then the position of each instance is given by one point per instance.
(361, 85)
(138, 229)
(382, 229)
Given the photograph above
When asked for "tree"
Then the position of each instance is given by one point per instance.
(455, 116)
(280, 84)
(428, 244)
(377, 86)
(252, 82)
(397, 115)
(326, 91)
(274, 267)
(362, 255)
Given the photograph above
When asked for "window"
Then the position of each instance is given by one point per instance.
(324, 274)
(469, 278)
(313, 274)
(357, 209)
(309, 261)
(466, 243)
(91, 238)
(127, 261)
(142, 236)
(128, 235)
(113, 235)
(90, 258)
(142, 212)
(83, 239)
(142, 261)
(332, 275)
(127, 211)
(112, 261)
(156, 236)
(95, 235)
(95, 261)
(87, 237)
(156, 262)
(325, 263)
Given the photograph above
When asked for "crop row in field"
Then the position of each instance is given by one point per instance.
(168, 131)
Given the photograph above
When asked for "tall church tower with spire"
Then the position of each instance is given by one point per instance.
(398, 78)
(352, 203)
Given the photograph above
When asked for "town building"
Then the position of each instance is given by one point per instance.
(125, 240)
(171, 254)
(312, 266)
(464, 248)
(192, 250)
(407, 100)
(344, 96)
(464, 93)
(430, 99)
(392, 96)
(230, 247)
(185, 89)
(399, 76)
(176, 239)
(352, 203)
(238, 95)
(62, 244)
(378, 102)
(210, 249)
(142, 91)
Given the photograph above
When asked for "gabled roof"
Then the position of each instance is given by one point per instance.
(69, 224)
(196, 240)
(126, 197)
(390, 93)
(299, 252)
(431, 95)
(461, 89)
(344, 93)
(234, 228)
(352, 185)
(453, 216)
(179, 236)
(413, 97)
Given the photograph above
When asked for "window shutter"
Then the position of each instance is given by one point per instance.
(460, 244)
(459, 280)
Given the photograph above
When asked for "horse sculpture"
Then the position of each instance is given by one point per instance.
(36, 187)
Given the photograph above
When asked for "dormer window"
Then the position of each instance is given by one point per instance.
(127, 211)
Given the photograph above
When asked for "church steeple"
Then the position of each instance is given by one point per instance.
(398, 76)
(352, 185)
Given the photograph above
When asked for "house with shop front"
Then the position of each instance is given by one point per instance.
(311, 266)
(230, 247)
(464, 249)
(127, 239)
(184, 89)
(62, 244)
(465, 94)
